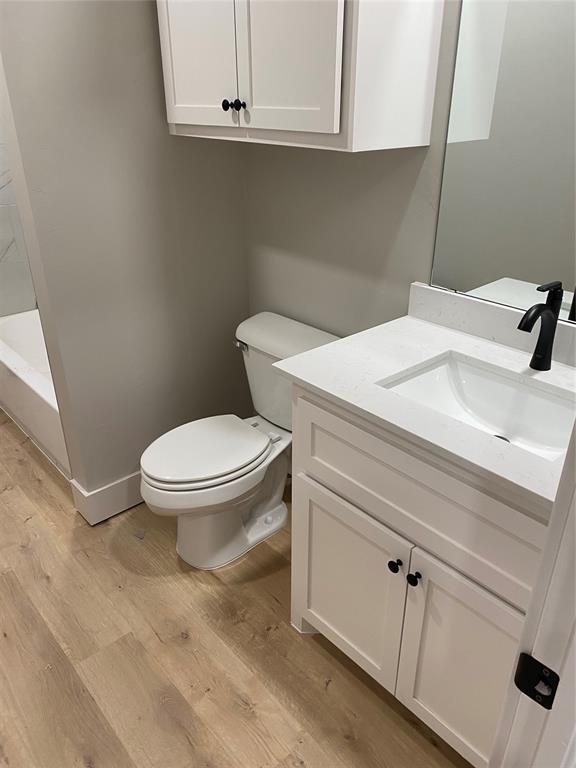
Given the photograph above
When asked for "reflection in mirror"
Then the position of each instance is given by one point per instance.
(507, 218)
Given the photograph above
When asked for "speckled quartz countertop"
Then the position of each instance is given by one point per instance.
(347, 371)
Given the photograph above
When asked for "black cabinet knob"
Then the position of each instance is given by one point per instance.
(236, 104)
(394, 565)
(413, 578)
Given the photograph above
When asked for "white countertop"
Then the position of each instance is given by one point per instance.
(347, 371)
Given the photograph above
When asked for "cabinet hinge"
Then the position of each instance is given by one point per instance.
(536, 681)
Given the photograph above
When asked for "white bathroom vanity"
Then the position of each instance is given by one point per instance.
(425, 465)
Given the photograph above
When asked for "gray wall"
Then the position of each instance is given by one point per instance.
(149, 246)
(508, 202)
(334, 239)
(143, 273)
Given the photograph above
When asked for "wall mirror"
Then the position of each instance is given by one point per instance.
(507, 218)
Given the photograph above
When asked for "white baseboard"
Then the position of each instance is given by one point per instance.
(96, 506)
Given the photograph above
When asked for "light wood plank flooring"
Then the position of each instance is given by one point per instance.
(115, 654)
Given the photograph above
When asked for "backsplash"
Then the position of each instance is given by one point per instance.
(495, 322)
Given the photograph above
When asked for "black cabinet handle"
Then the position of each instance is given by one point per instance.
(413, 578)
(394, 565)
(236, 104)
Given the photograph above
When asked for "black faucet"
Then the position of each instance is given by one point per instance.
(548, 314)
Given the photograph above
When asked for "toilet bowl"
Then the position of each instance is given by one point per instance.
(224, 477)
(221, 517)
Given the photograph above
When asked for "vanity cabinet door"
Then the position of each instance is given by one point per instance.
(198, 39)
(342, 583)
(459, 644)
(290, 63)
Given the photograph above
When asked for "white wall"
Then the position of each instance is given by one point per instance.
(334, 239)
(139, 266)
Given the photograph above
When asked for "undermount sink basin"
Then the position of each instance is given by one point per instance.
(510, 406)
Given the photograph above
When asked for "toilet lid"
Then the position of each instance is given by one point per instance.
(204, 450)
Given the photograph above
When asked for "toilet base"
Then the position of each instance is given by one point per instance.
(232, 544)
(220, 536)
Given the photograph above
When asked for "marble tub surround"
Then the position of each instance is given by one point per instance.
(350, 372)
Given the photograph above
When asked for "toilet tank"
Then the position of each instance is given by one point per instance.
(265, 339)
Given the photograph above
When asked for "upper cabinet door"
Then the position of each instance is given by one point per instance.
(290, 63)
(199, 55)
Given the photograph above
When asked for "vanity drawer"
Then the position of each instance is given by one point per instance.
(494, 544)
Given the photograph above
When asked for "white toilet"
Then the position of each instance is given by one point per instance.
(224, 477)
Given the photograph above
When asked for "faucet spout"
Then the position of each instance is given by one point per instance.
(548, 314)
(542, 357)
(530, 317)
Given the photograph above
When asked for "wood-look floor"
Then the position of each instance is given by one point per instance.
(115, 654)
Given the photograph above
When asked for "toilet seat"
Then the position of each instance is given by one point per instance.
(170, 503)
(197, 485)
(205, 453)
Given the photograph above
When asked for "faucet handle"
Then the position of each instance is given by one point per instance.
(556, 286)
(555, 294)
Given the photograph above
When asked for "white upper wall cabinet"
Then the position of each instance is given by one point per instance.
(349, 75)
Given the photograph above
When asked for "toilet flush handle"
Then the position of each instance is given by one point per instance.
(240, 345)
